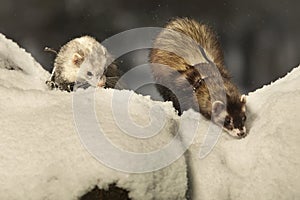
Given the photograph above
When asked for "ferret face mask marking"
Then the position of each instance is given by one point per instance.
(232, 120)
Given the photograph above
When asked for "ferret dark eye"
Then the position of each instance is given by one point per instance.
(89, 73)
(244, 118)
(227, 121)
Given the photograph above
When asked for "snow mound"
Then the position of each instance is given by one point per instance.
(43, 157)
(41, 154)
(18, 69)
(265, 164)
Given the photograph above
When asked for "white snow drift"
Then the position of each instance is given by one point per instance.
(42, 157)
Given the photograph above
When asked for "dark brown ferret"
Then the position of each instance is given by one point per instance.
(188, 67)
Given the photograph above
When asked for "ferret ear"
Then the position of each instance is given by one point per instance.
(218, 107)
(243, 99)
(77, 59)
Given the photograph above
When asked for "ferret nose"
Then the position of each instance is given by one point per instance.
(241, 134)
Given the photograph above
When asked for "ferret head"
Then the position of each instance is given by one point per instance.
(81, 61)
(231, 116)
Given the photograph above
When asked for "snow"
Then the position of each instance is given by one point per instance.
(43, 157)
(265, 164)
(41, 154)
(27, 71)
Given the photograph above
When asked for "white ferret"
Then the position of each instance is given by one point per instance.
(83, 62)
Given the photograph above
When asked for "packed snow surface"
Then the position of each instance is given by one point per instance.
(265, 164)
(43, 157)
(41, 154)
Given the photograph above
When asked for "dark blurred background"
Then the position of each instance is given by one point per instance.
(260, 38)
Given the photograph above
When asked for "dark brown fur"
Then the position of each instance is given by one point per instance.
(185, 72)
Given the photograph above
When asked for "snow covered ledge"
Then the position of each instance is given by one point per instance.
(265, 164)
(42, 156)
